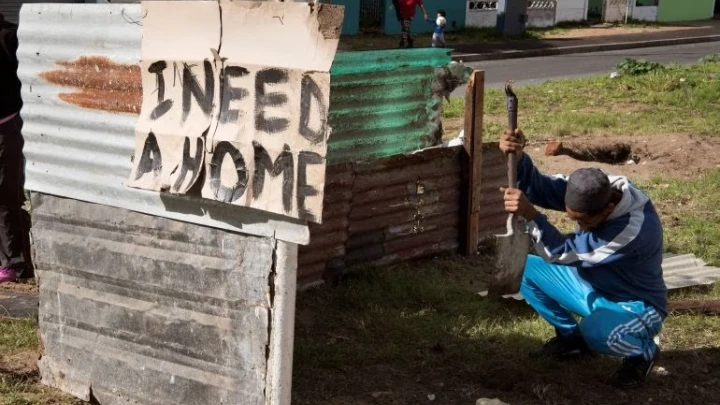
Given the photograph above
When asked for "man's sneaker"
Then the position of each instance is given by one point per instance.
(563, 346)
(7, 275)
(634, 371)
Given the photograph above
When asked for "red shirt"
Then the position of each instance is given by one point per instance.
(407, 7)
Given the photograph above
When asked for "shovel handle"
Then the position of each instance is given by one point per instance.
(512, 109)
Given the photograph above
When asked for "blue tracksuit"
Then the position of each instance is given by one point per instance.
(611, 276)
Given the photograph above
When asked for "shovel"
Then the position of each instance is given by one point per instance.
(512, 247)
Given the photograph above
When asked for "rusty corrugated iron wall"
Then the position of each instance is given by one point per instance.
(399, 208)
(386, 211)
(494, 176)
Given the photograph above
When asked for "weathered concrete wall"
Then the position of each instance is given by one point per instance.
(147, 310)
(481, 13)
(571, 10)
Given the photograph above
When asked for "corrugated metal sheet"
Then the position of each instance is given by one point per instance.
(381, 102)
(386, 211)
(327, 240)
(682, 271)
(79, 142)
(141, 309)
(679, 271)
(79, 67)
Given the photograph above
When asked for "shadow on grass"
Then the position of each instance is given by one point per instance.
(419, 331)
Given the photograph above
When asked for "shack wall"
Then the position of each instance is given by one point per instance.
(136, 308)
(400, 208)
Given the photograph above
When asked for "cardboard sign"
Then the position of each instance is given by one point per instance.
(235, 102)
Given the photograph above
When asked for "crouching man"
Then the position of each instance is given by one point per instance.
(608, 272)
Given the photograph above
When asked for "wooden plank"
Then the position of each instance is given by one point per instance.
(474, 111)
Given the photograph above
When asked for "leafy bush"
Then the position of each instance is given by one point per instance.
(634, 67)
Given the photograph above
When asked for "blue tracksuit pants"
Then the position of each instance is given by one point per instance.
(622, 329)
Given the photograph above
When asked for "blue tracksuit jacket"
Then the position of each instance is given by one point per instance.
(621, 259)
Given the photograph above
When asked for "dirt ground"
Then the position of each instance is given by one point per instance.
(23, 286)
(668, 156)
(602, 30)
(20, 364)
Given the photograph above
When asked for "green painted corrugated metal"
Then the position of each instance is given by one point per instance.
(381, 102)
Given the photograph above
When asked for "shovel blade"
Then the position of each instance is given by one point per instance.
(511, 252)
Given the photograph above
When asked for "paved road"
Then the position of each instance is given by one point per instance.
(538, 70)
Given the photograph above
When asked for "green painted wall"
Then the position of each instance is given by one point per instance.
(351, 23)
(685, 10)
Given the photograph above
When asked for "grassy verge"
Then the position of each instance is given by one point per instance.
(676, 99)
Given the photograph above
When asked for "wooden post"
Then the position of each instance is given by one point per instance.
(474, 111)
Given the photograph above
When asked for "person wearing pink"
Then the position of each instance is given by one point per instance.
(405, 11)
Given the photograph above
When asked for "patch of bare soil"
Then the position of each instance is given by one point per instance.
(19, 364)
(22, 286)
(639, 158)
(611, 30)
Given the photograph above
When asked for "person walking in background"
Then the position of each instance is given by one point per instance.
(405, 11)
(440, 23)
(12, 195)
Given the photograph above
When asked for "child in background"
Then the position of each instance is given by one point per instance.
(438, 38)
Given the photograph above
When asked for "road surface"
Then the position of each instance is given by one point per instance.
(533, 71)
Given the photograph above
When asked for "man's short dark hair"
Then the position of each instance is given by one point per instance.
(588, 191)
(441, 12)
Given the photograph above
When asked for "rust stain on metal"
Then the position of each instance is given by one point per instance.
(100, 84)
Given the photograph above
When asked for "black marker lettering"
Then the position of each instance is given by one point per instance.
(283, 164)
(310, 90)
(151, 158)
(163, 105)
(303, 189)
(222, 193)
(190, 164)
(273, 99)
(230, 93)
(191, 87)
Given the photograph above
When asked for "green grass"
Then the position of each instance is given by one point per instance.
(676, 100)
(690, 214)
(419, 328)
(17, 335)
